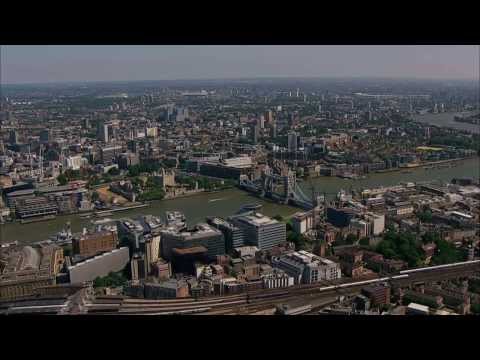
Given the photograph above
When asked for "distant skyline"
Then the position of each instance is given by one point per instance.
(48, 64)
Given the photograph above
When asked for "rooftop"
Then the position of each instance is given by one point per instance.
(257, 219)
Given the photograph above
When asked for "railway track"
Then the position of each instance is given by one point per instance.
(262, 300)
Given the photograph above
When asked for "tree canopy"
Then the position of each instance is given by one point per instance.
(401, 246)
(113, 279)
(62, 179)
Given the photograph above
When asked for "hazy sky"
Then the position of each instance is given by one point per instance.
(32, 64)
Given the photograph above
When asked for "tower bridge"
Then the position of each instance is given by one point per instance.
(280, 188)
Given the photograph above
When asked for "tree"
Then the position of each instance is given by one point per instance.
(425, 216)
(278, 217)
(113, 279)
(62, 179)
(154, 194)
(351, 238)
(95, 196)
(114, 171)
(430, 237)
(72, 174)
(475, 308)
(107, 178)
(67, 250)
(297, 239)
(365, 241)
(446, 253)
(402, 245)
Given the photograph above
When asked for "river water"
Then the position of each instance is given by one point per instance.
(447, 120)
(225, 203)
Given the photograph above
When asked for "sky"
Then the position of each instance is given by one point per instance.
(45, 64)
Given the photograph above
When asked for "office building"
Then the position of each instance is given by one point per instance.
(233, 235)
(302, 222)
(340, 217)
(74, 162)
(110, 153)
(128, 159)
(103, 132)
(292, 141)
(277, 279)
(256, 134)
(13, 137)
(268, 117)
(162, 269)
(360, 228)
(307, 268)
(184, 260)
(45, 136)
(169, 289)
(261, 231)
(132, 231)
(99, 266)
(137, 267)
(151, 246)
(90, 244)
(377, 223)
(201, 235)
(33, 207)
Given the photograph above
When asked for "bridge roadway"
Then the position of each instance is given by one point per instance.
(267, 299)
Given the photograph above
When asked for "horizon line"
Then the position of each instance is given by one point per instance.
(276, 77)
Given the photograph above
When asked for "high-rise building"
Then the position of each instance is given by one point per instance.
(261, 122)
(233, 235)
(128, 159)
(103, 132)
(377, 223)
(260, 231)
(45, 136)
(274, 129)
(137, 265)
(256, 134)
(268, 116)
(152, 251)
(13, 137)
(427, 132)
(292, 141)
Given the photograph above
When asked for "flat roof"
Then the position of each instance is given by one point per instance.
(190, 250)
(258, 219)
(419, 307)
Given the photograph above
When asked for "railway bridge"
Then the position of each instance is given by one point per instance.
(259, 301)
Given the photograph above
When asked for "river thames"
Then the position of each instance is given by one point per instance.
(227, 202)
(447, 120)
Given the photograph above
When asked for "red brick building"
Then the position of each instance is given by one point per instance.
(91, 244)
